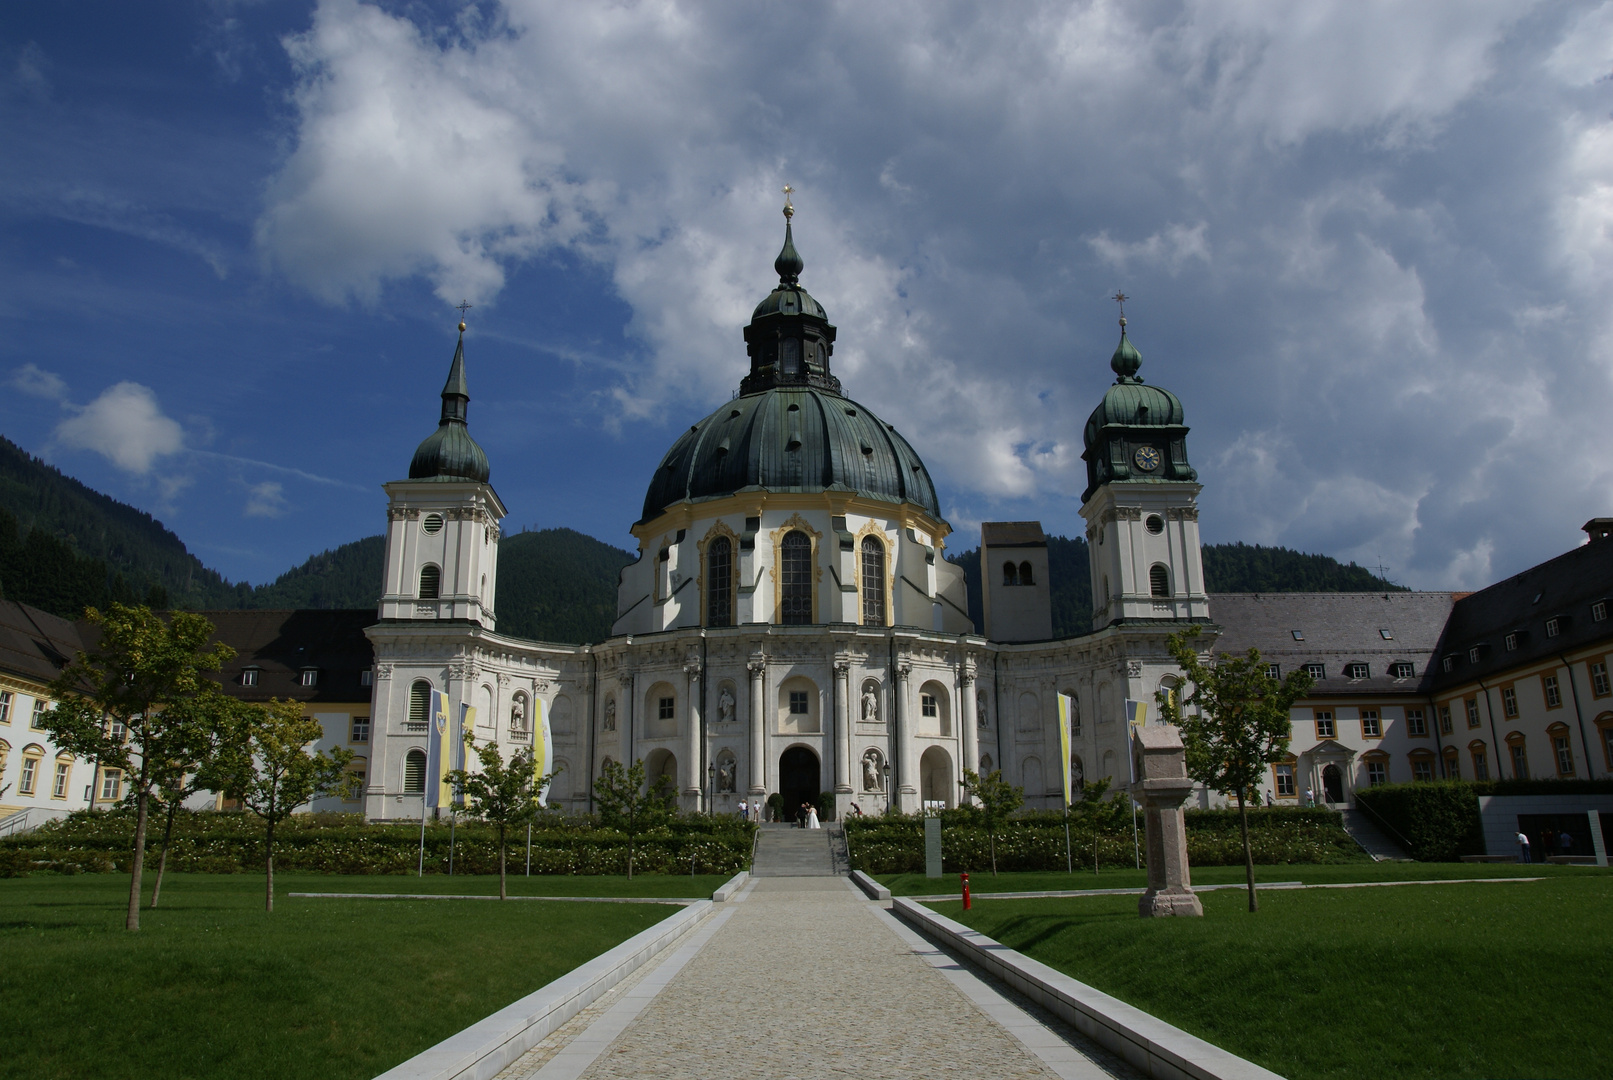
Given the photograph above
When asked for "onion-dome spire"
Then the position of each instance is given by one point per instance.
(449, 453)
(1126, 359)
(788, 264)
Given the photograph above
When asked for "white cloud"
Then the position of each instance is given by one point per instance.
(1169, 248)
(126, 426)
(267, 499)
(35, 382)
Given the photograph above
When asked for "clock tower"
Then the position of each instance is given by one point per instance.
(1140, 502)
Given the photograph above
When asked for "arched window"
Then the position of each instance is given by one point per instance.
(1159, 580)
(1025, 576)
(419, 705)
(414, 772)
(1010, 574)
(720, 582)
(873, 582)
(430, 582)
(795, 605)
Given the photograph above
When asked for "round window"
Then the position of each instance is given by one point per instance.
(1155, 524)
(432, 523)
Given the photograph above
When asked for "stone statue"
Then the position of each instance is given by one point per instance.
(1078, 774)
(980, 709)
(725, 776)
(725, 706)
(610, 714)
(873, 778)
(518, 716)
(870, 704)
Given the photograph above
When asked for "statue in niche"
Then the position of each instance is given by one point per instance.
(873, 773)
(725, 706)
(870, 704)
(1078, 774)
(980, 709)
(610, 714)
(518, 715)
(725, 775)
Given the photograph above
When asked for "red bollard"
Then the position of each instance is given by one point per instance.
(966, 902)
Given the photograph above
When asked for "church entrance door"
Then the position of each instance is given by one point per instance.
(1332, 784)
(799, 780)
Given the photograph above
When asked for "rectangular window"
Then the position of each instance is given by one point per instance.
(1553, 628)
(37, 720)
(1554, 696)
(1324, 723)
(249, 676)
(1370, 727)
(1422, 770)
(361, 730)
(356, 792)
(1472, 705)
(1453, 770)
(927, 705)
(310, 677)
(366, 677)
(5, 706)
(1377, 774)
(1520, 761)
(1599, 683)
(112, 784)
(1448, 663)
(1274, 671)
(1509, 701)
(1444, 719)
(1316, 671)
(1285, 780)
(1512, 643)
(1357, 671)
(1402, 669)
(59, 788)
(30, 776)
(798, 702)
(1415, 722)
(666, 708)
(1481, 765)
(1473, 655)
(1599, 611)
(1565, 755)
(118, 731)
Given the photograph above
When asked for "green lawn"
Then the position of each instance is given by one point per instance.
(1309, 873)
(211, 986)
(1439, 981)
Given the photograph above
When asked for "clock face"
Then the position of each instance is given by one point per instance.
(1147, 458)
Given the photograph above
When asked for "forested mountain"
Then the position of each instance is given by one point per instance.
(1227, 568)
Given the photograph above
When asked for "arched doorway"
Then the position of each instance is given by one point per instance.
(661, 762)
(799, 779)
(935, 779)
(1332, 784)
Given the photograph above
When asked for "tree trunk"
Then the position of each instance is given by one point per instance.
(268, 865)
(162, 863)
(141, 808)
(502, 895)
(1248, 852)
(991, 838)
(629, 856)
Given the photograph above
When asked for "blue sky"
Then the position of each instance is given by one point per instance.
(1368, 245)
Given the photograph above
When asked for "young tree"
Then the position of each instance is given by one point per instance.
(998, 799)
(624, 804)
(505, 793)
(200, 727)
(268, 768)
(114, 705)
(1237, 727)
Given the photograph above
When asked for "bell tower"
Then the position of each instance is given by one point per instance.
(1140, 503)
(442, 522)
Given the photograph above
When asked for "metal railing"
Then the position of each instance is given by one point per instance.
(1377, 819)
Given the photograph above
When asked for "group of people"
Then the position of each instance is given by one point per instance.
(1549, 839)
(806, 818)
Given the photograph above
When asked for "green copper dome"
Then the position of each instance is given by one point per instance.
(790, 429)
(1137, 433)
(449, 453)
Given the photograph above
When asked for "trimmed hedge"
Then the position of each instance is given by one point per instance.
(1035, 840)
(1440, 821)
(231, 843)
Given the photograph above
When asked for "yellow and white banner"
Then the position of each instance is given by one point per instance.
(1136, 713)
(1064, 744)
(542, 748)
(436, 728)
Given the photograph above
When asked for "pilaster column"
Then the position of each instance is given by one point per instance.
(758, 729)
(907, 760)
(843, 722)
(971, 720)
(694, 772)
(626, 714)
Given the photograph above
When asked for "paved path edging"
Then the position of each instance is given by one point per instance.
(731, 887)
(874, 889)
(1158, 1049)
(488, 1046)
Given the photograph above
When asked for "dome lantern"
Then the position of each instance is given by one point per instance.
(449, 453)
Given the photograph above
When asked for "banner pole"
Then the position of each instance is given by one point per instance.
(1069, 858)
(421, 871)
(529, 849)
(453, 823)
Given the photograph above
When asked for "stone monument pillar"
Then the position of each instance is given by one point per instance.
(842, 737)
(757, 667)
(1164, 786)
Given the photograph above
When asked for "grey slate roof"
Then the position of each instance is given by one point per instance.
(1564, 588)
(1012, 534)
(280, 644)
(1338, 629)
(34, 645)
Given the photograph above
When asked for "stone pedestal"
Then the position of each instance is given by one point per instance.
(1162, 767)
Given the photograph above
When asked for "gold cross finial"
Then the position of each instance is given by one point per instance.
(789, 207)
(1121, 298)
(463, 306)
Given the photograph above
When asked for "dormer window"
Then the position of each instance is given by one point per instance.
(1599, 611)
(1316, 671)
(1356, 671)
(1473, 655)
(249, 676)
(1512, 642)
(310, 676)
(1402, 669)
(1448, 663)
(1553, 627)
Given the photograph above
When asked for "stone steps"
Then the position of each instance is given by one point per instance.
(785, 851)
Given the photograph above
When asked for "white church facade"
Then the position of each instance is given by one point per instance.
(791, 624)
